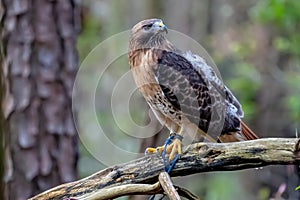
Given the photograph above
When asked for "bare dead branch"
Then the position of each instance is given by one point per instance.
(166, 183)
(122, 190)
(140, 176)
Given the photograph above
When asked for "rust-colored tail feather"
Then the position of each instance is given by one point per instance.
(247, 132)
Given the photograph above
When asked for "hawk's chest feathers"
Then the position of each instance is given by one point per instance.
(142, 64)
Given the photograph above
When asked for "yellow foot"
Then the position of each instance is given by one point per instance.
(158, 150)
(175, 148)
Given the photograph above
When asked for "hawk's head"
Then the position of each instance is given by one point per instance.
(147, 34)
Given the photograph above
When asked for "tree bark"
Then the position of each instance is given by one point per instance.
(135, 176)
(39, 66)
(1, 113)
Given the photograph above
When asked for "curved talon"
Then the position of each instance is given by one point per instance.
(159, 150)
(150, 150)
(156, 150)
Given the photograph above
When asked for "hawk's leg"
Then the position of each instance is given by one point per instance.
(173, 147)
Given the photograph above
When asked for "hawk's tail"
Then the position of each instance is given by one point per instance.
(247, 132)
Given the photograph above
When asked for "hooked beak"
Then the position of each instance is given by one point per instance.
(160, 26)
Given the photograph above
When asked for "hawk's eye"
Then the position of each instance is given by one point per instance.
(147, 26)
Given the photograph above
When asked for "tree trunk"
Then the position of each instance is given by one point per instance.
(39, 66)
(1, 116)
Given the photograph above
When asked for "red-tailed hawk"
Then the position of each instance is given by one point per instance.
(182, 90)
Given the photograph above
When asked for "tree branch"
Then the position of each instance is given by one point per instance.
(140, 176)
(166, 183)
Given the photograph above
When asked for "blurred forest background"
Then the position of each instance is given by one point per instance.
(256, 46)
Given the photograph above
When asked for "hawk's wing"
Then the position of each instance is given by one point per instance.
(203, 68)
(191, 90)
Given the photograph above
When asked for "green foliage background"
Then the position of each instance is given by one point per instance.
(283, 17)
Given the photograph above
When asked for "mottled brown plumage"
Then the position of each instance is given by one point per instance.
(182, 90)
